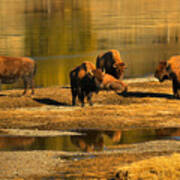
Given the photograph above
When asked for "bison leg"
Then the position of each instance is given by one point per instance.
(81, 96)
(32, 86)
(89, 97)
(175, 88)
(28, 81)
(25, 86)
(74, 95)
(82, 99)
(0, 85)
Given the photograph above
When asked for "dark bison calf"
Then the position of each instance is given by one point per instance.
(111, 62)
(83, 82)
(15, 68)
(170, 69)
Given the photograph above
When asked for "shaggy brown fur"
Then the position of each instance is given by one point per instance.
(108, 82)
(83, 82)
(111, 62)
(170, 69)
(15, 68)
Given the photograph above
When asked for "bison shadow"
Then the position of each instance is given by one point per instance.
(51, 102)
(146, 94)
(1, 95)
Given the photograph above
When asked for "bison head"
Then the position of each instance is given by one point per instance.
(162, 71)
(119, 69)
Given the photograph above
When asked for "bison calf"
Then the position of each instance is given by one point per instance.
(170, 69)
(83, 82)
(111, 62)
(108, 82)
(15, 68)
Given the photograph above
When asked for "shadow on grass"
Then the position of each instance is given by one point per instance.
(3, 95)
(52, 102)
(146, 94)
(11, 95)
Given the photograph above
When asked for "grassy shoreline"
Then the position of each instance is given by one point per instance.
(146, 105)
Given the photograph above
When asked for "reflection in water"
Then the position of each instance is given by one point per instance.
(92, 141)
(95, 140)
(173, 132)
(60, 34)
(89, 141)
(16, 143)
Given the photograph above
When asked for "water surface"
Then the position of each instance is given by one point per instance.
(60, 34)
(88, 141)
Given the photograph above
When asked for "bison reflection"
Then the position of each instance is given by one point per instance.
(94, 140)
(89, 142)
(15, 142)
(171, 132)
(114, 135)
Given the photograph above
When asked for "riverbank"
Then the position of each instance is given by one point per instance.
(146, 105)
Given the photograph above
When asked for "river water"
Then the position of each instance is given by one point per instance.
(86, 141)
(60, 34)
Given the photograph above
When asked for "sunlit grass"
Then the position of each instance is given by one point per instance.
(156, 168)
(149, 104)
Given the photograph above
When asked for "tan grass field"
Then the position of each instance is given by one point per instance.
(146, 105)
(164, 167)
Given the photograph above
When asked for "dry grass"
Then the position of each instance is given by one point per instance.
(147, 104)
(114, 165)
(156, 168)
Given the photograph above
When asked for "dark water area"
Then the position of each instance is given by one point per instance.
(89, 141)
(60, 34)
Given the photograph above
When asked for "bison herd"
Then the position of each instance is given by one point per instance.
(87, 78)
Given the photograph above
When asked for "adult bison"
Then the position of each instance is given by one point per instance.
(15, 68)
(86, 79)
(111, 62)
(170, 69)
(83, 82)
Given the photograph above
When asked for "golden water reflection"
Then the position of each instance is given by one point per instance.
(88, 141)
(60, 34)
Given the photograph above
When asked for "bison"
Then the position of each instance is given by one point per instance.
(170, 69)
(111, 62)
(86, 79)
(83, 82)
(108, 82)
(14, 68)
